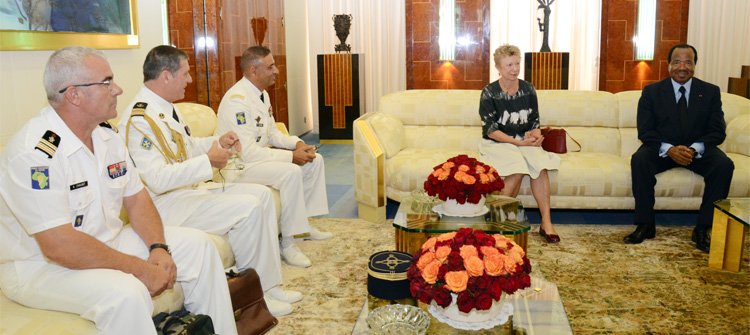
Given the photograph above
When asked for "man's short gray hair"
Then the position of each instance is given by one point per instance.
(65, 68)
(252, 56)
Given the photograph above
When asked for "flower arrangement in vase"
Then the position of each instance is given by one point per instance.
(462, 181)
(470, 266)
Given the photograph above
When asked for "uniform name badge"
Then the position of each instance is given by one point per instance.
(40, 177)
(241, 118)
(117, 170)
(79, 221)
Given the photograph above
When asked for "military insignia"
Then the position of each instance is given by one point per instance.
(161, 115)
(257, 122)
(257, 139)
(241, 118)
(270, 110)
(117, 170)
(40, 177)
(187, 130)
(48, 144)
(106, 124)
(237, 96)
(140, 105)
(79, 185)
(79, 221)
(146, 143)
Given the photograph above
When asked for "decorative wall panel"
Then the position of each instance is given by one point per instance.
(470, 70)
(619, 71)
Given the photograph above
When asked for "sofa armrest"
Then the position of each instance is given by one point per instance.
(738, 135)
(369, 171)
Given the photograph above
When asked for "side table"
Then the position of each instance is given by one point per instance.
(731, 217)
(415, 225)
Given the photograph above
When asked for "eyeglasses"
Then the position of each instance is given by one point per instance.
(103, 82)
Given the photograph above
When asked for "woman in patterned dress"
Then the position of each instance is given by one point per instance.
(512, 139)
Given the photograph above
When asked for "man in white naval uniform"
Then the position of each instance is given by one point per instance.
(63, 181)
(174, 166)
(291, 166)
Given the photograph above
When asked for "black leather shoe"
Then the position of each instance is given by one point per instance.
(641, 233)
(702, 238)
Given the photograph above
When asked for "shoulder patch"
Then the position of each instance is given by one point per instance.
(48, 144)
(106, 124)
(139, 109)
(238, 96)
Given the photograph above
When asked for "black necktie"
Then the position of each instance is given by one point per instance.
(174, 115)
(261, 98)
(682, 109)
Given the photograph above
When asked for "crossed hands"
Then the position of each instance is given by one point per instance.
(220, 150)
(532, 138)
(160, 272)
(303, 154)
(681, 155)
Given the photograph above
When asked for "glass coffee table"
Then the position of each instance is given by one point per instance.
(415, 222)
(536, 310)
(731, 217)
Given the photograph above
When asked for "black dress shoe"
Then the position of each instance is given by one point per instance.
(641, 233)
(551, 238)
(702, 238)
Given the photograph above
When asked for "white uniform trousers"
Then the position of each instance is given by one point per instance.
(297, 185)
(245, 212)
(119, 303)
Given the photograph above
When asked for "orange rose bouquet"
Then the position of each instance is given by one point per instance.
(477, 267)
(463, 179)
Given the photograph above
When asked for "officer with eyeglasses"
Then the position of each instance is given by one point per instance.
(63, 182)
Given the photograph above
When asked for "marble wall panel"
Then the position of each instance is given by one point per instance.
(424, 69)
(619, 71)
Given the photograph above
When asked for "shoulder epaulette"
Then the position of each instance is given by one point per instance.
(139, 109)
(237, 96)
(106, 124)
(49, 143)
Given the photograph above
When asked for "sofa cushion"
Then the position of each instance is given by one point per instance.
(738, 135)
(389, 131)
(740, 187)
(562, 108)
(594, 139)
(434, 107)
(443, 137)
(200, 118)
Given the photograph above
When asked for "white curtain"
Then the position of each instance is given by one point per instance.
(377, 34)
(575, 27)
(719, 30)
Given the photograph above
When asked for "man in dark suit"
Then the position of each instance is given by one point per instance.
(680, 123)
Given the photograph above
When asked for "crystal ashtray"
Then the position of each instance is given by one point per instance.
(398, 319)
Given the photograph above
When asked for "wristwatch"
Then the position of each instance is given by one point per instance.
(160, 245)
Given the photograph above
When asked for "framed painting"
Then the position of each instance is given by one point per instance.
(53, 24)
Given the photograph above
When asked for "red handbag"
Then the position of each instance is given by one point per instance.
(555, 140)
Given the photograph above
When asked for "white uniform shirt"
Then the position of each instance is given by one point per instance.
(74, 186)
(242, 111)
(160, 176)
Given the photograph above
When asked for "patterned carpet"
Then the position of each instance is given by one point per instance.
(662, 286)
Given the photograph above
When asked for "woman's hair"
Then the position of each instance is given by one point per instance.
(505, 51)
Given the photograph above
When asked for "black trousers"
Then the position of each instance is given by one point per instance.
(714, 165)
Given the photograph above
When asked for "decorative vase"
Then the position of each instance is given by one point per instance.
(342, 23)
(451, 206)
(475, 319)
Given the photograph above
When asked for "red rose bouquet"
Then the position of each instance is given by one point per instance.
(463, 179)
(476, 266)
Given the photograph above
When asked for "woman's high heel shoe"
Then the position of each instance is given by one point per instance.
(551, 238)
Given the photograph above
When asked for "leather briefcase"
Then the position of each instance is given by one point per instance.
(250, 311)
(555, 140)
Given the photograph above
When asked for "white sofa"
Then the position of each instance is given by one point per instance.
(396, 148)
(21, 320)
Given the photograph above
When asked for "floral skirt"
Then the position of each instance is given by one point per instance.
(510, 159)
